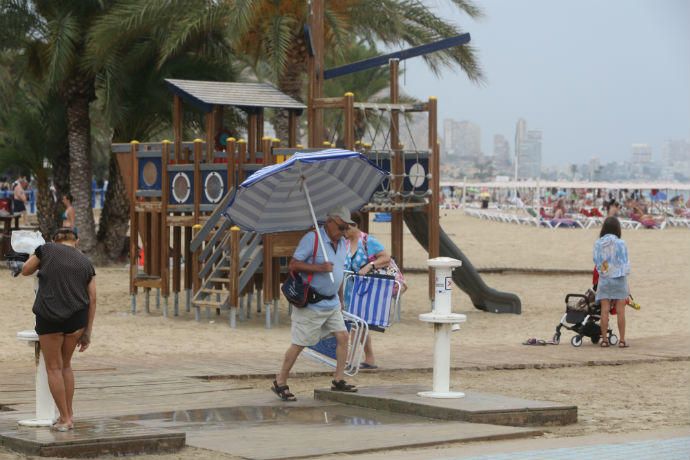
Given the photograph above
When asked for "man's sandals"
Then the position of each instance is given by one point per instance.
(283, 392)
(342, 385)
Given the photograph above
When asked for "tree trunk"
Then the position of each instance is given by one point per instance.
(61, 172)
(45, 207)
(112, 228)
(78, 97)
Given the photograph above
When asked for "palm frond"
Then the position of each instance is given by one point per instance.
(63, 38)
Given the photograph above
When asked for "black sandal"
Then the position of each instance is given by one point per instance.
(342, 385)
(283, 392)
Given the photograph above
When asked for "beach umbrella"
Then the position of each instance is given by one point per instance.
(297, 194)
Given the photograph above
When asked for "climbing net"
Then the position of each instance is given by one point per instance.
(373, 128)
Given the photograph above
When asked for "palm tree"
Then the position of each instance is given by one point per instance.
(52, 37)
(33, 132)
(272, 31)
(161, 40)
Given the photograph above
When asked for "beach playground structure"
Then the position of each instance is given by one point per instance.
(179, 190)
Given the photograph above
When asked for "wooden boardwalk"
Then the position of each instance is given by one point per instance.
(114, 396)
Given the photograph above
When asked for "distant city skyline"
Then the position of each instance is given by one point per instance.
(594, 77)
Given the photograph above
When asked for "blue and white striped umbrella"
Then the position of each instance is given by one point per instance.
(294, 195)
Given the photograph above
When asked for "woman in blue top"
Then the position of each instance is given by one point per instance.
(611, 261)
(365, 253)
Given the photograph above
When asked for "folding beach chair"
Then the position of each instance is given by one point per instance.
(370, 308)
(324, 351)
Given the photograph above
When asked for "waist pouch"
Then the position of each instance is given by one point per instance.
(315, 297)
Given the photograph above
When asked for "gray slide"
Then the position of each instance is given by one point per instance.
(466, 277)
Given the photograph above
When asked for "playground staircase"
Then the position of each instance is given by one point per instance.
(228, 259)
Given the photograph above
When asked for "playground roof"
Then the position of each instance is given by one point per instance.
(206, 94)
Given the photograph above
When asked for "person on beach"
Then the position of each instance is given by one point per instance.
(323, 317)
(20, 199)
(612, 207)
(65, 308)
(365, 254)
(612, 265)
(68, 215)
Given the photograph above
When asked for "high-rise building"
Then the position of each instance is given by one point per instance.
(529, 158)
(641, 154)
(502, 159)
(462, 141)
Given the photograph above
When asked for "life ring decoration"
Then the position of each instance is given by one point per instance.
(181, 187)
(222, 139)
(416, 175)
(214, 187)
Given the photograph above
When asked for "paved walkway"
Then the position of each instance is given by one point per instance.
(665, 444)
(123, 385)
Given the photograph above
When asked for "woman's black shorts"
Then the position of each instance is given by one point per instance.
(67, 326)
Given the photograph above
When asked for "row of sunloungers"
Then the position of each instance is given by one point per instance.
(528, 216)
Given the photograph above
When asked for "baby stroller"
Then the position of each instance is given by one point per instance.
(582, 315)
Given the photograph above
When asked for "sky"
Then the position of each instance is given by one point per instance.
(594, 75)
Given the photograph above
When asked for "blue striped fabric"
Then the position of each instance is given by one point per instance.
(273, 198)
(371, 300)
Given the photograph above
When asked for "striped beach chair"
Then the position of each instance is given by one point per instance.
(370, 308)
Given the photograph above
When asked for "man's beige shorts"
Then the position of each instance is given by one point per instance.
(309, 325)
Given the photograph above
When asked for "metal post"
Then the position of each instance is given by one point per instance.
(134, 303)
(444, 320)
(176, 304)
(147, 299)
(46, 412)
(267, 307)
(165, 307)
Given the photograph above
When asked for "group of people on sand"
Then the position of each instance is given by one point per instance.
(347, 249)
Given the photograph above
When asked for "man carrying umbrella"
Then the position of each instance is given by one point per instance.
(323, 317)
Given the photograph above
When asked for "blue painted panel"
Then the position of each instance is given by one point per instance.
(150, 173)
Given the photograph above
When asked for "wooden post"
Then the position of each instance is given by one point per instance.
(434, 185)
(234, 274)
(188, 279)
(275, 144)
(165, 237)
(210, 135)
(349, 121)
(177, 256)
(266, 149)
(315, 69)
(292, 128)
(252, 135)
(259, 128)
(241, 157)
(133, 220)
(397, 167)
(196, 281)
(177, 127)
(197, 179)
(230, 153)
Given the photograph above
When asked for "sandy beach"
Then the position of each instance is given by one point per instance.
(660, 282)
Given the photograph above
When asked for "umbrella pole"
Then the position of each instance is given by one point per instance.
(316, 225)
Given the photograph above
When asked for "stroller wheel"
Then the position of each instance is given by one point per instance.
(613, 339)
(576, 341)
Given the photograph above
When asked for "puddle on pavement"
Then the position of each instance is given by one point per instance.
(237, 417)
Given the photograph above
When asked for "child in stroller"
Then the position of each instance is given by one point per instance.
(582, 315)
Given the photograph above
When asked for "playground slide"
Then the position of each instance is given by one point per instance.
(466, 277)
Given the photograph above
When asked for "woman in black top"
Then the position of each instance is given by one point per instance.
(65, 307)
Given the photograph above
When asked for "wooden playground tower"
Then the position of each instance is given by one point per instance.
(178, 191)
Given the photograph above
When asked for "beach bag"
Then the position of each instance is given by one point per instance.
(299, 293)
(390, 270)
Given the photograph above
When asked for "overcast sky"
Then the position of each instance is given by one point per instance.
(595, 75)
